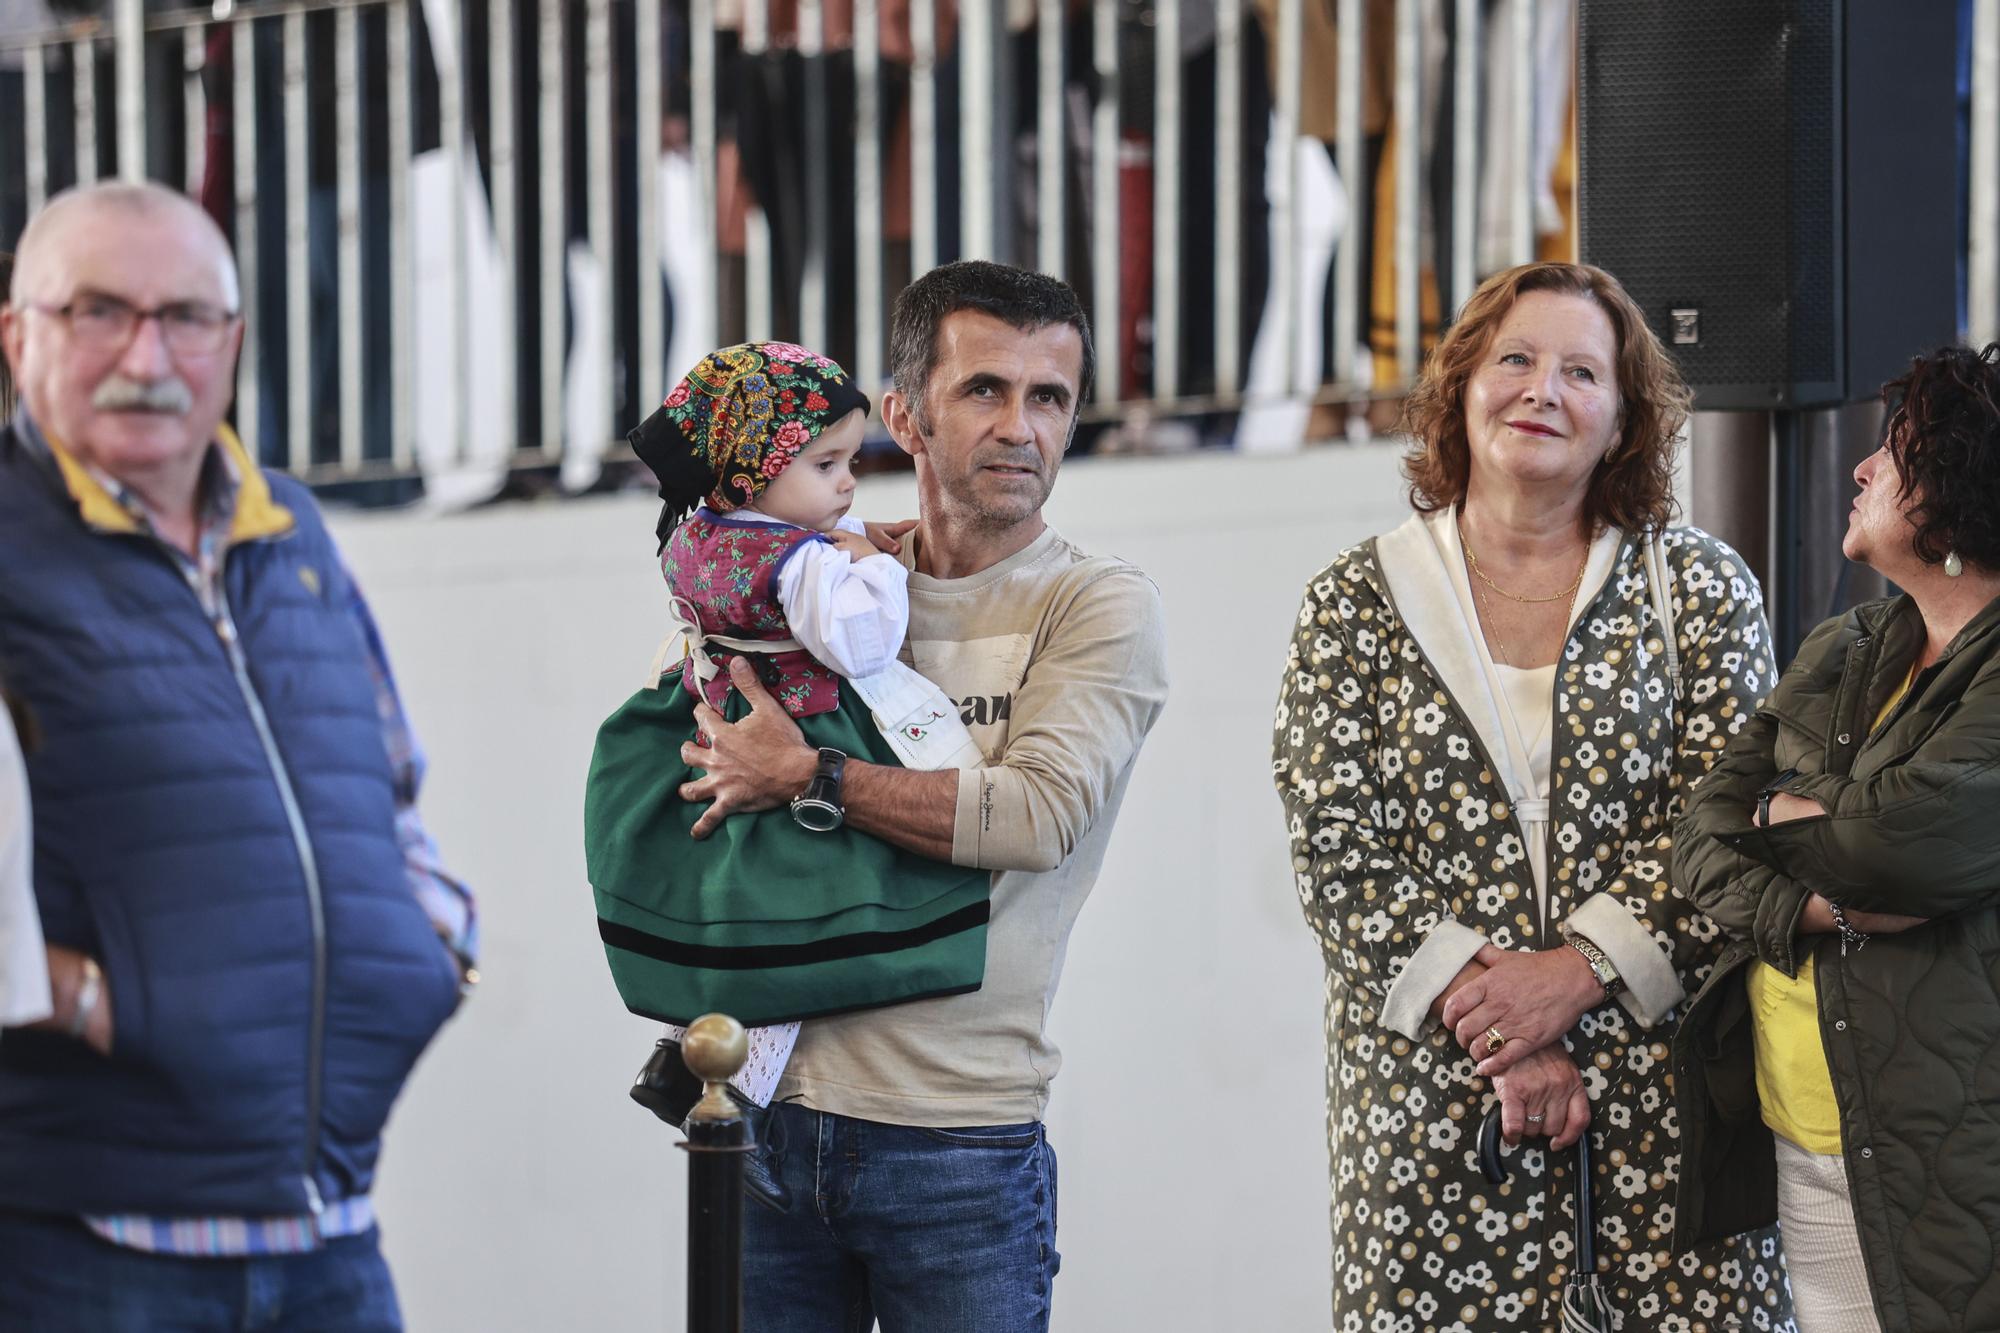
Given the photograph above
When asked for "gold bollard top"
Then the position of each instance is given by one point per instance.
(714, 1048)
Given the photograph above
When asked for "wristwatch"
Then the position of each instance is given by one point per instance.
(1601, 965)
(1770, 789)
(818, 808)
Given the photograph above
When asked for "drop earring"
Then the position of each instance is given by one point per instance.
(1953, 566)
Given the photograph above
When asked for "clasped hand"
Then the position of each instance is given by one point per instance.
(1543, 1094)
(1530, 998)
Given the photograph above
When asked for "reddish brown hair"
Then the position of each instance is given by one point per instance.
(1633, 487)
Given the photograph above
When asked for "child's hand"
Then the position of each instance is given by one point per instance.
(856, 545)
(886, 535)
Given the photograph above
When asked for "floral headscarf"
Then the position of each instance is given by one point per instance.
(737, 421)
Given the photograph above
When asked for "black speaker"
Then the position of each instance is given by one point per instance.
(1775, 183)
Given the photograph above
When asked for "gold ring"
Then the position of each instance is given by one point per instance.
(1494, 1041)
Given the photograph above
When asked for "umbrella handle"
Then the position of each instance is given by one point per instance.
(1491, 1160)
(1493, 1164)
(1586, 1219)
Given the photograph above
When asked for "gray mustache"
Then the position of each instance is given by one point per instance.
(119, 394)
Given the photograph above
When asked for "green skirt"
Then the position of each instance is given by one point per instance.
(762, 920)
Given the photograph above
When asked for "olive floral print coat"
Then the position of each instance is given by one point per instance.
(1413, 822)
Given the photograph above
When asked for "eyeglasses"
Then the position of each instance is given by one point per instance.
(191, 328)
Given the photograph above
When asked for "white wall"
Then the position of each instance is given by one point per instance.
(522, 1191)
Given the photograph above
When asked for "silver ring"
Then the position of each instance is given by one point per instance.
(1536, 1119)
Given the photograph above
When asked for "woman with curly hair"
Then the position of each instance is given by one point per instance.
(1488, 720)
(1842, 1065)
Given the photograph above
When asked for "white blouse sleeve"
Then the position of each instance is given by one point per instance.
(850, 614)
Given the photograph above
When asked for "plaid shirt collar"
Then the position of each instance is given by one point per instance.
(215, 510)
(222, 493)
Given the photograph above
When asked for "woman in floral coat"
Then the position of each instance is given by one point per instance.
(1481, 746)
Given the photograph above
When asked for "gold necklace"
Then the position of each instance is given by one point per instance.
(1566, 595)
(1489, 628)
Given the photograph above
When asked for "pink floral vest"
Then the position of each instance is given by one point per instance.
(727, 569)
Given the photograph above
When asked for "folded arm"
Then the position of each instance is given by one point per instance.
(1745, 898)
(1918, 837)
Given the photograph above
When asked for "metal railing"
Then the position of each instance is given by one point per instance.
(481, 233)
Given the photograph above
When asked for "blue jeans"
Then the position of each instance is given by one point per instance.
(928, 1230)
(56, 1276)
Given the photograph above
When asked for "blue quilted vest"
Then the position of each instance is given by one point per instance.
(214, 822)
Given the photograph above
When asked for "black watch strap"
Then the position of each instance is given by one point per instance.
(1772, 788)
(818, 808)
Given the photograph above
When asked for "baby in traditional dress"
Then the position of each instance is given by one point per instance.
(785, 914)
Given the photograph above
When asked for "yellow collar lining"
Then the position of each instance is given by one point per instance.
(256, 513)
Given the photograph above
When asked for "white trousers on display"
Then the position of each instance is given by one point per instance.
(1281, 395)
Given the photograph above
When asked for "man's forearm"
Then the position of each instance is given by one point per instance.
(912, 809)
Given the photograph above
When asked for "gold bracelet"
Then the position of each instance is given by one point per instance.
(1601, 966)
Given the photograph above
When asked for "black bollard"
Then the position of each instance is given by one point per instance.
(718, 1138)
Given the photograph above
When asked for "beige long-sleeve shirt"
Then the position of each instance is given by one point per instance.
(1057, 660)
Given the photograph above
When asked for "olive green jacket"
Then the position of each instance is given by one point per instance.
(1911, 1021)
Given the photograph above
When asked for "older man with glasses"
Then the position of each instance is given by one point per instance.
(249, 937)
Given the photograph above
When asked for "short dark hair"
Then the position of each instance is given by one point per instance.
(1943, 434)
(1021, 297)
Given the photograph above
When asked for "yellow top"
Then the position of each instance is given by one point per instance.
(1794, 1081)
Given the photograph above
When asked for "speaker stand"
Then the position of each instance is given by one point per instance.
(1777, 486)
(1785, 594)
